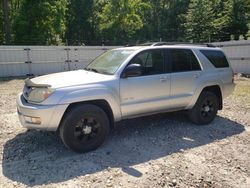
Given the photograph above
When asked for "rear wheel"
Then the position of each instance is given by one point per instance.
(84, 128)
(205, 109)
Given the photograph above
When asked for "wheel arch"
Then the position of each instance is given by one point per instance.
(217, 91)
(102, 103)
(213, 87)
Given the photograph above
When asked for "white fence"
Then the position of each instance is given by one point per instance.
(238, 52)
(39, 60)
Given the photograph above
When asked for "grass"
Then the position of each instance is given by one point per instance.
(242, 91)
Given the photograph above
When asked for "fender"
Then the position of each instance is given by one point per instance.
(200, 87)
(94, 93)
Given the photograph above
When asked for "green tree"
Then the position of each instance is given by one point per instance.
(91, 22)
(164, 20)
(237, 17)
(231, 18)
(153, 24)
(248, 15)
(173, 20)
(199, 19)
(1, 25)
(80, 28)
(40, 22)
(6, 21)
(220, 24)
(119, 20)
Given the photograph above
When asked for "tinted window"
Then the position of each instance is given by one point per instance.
(217, 58)
(183, 60)
(152, 62)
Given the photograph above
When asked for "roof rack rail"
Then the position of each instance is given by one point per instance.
(210, 45)
(156, 43)
(198, 44)
(176, 43)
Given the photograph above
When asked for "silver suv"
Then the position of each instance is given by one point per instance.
(124, 83)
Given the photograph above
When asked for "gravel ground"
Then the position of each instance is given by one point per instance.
(163, 150)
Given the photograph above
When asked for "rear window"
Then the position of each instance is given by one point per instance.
(217, 58)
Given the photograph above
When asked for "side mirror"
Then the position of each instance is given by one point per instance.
(132, 70)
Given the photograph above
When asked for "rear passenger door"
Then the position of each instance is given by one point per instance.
(185, 72)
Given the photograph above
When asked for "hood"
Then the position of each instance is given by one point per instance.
(65, 79)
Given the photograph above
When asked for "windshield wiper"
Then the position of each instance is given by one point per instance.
(92, 69)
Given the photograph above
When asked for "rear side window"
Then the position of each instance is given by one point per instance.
(183, 60)
(217, 58)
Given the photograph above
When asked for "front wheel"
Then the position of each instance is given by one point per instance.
(205, 109)
(84, 128)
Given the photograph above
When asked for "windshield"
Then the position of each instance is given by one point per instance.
(109, 62)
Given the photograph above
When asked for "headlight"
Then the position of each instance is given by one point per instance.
(39, 94)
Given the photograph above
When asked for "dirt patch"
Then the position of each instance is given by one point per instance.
(164, 150)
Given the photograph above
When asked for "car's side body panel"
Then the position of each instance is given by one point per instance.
(183, 86)
(137, 97)
(109, 94)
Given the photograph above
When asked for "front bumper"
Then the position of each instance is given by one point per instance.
(50, 115)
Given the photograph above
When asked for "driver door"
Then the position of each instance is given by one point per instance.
(150, 91)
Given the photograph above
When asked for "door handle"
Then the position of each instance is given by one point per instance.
(196, 75)
(163, 79)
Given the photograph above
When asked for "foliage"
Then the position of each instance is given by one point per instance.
(237, 18)
(173, 19)
(113, 22)
(40, 22)
(119, 20)
(78, 21)
(1, 25)
(217, 20)
(199, 25)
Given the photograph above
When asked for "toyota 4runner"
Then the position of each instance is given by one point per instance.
(123, 83)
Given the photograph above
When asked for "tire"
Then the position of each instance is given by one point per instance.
(84, 128)
(205, 109)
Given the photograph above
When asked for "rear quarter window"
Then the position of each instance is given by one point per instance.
(217, 58)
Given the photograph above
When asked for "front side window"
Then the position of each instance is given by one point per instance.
(183, 60)
(152, 62)
(109, 62)
(217, 58)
